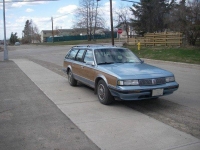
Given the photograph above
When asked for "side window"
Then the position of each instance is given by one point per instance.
(80, 55)
(88, 56)
(72, 54)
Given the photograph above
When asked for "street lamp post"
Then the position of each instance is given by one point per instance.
(52, 29)
(5, 43)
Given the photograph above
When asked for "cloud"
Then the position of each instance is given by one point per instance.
(67, 9)
(17, 4)
(29, 10)
(20, 3)
(105, 10)
(64, 18)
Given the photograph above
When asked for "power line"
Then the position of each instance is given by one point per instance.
(131, 1)
(52, 18)
(25, 1)
(62, 15)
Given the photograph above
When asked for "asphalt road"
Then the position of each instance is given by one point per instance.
(180, 110)
(29, 120)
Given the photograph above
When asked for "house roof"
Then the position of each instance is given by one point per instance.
(67, 30)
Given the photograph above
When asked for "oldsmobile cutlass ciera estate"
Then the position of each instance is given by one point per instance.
(116, 73)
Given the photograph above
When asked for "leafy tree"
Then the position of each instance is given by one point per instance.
(150, 15)
(13, 38)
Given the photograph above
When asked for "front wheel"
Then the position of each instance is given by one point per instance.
(71, 80)
(103, 93)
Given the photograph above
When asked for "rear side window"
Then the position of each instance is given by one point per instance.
(72, 54)
(89, 56)
(79, 56)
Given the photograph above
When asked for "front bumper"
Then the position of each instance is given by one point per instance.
(142, 92)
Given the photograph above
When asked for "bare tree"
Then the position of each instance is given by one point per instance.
(88, 17)
(36, 34)
(56, 31)
(185, 18)
(31, 33)
(193, 19)
(27, 32)
(123, 15)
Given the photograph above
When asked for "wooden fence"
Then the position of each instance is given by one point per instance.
(158, 39)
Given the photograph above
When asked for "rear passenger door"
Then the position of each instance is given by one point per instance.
(78, 64)
(88, 71)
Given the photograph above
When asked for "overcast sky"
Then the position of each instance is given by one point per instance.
(41, 12)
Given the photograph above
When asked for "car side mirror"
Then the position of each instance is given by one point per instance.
(90, 63)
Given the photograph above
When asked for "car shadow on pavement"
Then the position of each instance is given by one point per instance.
(178, 116)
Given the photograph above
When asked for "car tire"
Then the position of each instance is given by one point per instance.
(71, 80)
(103, 93)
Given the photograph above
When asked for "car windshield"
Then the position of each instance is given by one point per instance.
(108, 56)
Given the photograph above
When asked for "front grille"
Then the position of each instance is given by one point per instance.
(157, 81)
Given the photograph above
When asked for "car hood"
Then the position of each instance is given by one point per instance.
(134, 70)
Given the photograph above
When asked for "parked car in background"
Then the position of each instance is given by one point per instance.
(17, 43)
(116, 73)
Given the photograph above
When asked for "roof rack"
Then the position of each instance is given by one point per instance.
(95, 45)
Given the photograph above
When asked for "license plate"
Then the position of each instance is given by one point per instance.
(157, 92)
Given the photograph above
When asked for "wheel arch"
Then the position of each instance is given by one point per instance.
(99, 77)
(68, 68)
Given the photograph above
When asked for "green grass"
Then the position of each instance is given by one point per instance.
(176, 54)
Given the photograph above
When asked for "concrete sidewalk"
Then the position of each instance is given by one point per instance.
(29, 120)
(113, 127)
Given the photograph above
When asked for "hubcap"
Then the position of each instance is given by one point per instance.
(101, 92)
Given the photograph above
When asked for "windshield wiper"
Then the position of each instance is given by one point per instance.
(105, 63)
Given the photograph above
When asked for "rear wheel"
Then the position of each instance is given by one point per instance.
(71, 80)
(103, 93)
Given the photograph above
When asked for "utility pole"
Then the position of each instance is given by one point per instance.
(52, 29)
(111, 23)
(5, 43)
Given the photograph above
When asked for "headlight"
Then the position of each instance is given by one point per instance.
(128, 82)
(170, 79)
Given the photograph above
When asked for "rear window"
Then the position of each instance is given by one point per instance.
(79, 56)
(88, 56)
(72, 54)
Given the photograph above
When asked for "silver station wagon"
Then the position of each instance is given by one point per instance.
(116, 73)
